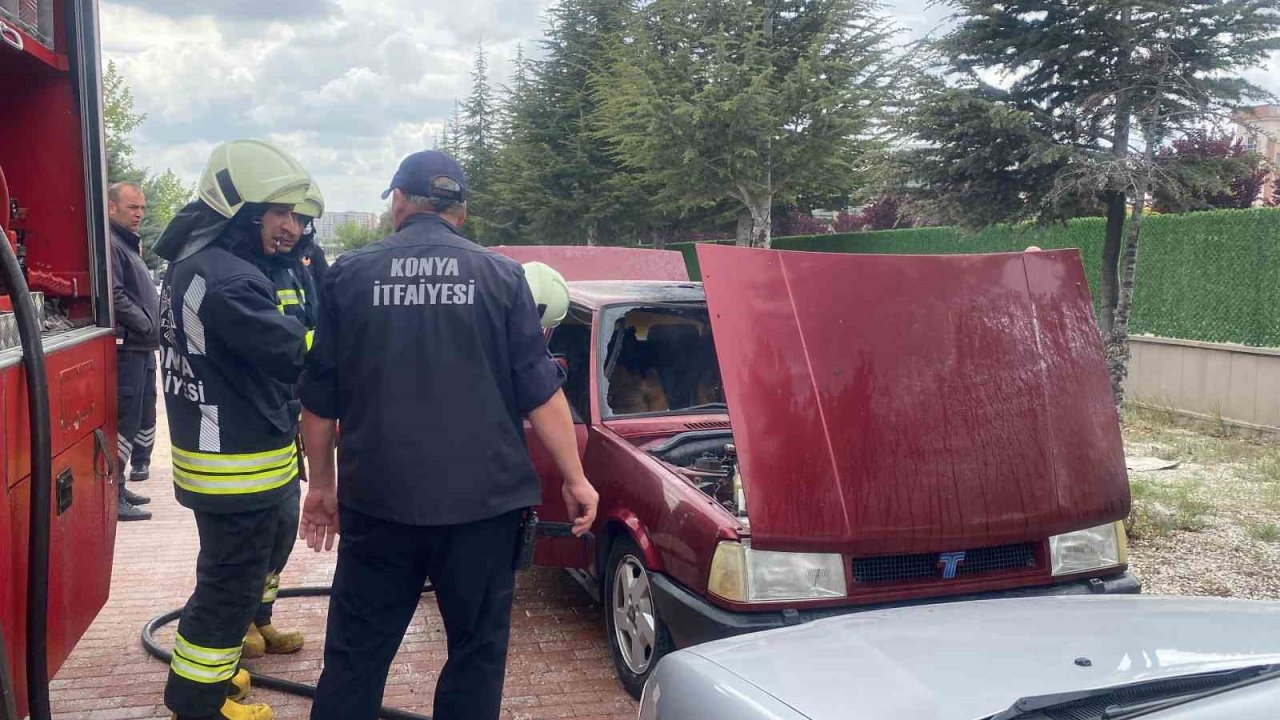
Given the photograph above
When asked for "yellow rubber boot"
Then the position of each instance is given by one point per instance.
(280, 643)
(238, 688)
(255, 646)
(232, 710)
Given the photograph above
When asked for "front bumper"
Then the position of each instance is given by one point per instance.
(691, 620)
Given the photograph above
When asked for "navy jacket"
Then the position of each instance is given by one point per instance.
(133, 294)
(429, 352)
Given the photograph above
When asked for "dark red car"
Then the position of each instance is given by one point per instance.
(814, 434)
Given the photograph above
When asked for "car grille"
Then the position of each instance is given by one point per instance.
(932, 566)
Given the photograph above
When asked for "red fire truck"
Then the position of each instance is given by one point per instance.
(57, 348)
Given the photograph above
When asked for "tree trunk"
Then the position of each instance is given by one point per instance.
(1117, 349)
(658, 239)
(1109, 281)
(1118, 343)
(593, 235)
(762, 206)
(762, 222)
(743, 236)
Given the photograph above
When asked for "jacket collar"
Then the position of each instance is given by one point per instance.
(130, 237)
(426, 217)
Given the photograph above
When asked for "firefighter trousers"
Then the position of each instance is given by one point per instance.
(235, 556)
(281, 547)
(382, 567)
(144, 441)
(132, 395)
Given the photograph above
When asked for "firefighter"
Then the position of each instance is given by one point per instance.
(295, 285)
(229, 360)
(295, 297)
(137, 310)
(429, 352)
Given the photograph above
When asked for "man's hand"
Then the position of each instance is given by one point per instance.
(580, 499)
(319, 522)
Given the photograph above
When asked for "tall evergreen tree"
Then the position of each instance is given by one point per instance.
(752, 100)
(452, 140)
(508, 101)
(558, 181)
(479, 140)
(1094, 89)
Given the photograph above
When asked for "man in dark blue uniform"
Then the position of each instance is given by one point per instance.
(429, 353)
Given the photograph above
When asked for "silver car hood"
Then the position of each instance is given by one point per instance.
(963, 661)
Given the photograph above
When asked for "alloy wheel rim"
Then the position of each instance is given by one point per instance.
(634, 622)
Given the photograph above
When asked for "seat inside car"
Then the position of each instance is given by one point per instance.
(677, 357)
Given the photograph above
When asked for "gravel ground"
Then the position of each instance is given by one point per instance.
(1210, 524)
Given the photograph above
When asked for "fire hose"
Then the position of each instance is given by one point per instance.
(37, 651)
(532, 530)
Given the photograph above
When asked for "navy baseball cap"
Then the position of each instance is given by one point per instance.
(430, 173)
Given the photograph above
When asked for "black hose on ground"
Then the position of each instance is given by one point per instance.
(260, 679)
(37, 655)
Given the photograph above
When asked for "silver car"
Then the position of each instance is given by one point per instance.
(1047, 658)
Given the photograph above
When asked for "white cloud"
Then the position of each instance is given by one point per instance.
(349, 86)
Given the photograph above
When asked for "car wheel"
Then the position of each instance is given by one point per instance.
(637, 637)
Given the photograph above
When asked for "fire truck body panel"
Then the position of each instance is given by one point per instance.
(52, 159)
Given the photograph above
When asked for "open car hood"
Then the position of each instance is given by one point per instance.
(900, 404)
(602, 263)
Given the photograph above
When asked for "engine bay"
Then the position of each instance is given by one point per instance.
(708, 459)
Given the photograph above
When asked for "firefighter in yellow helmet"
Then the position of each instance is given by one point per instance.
(296, 297)
(230, 359)
(550, 292)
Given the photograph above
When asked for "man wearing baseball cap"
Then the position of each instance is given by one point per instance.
(430, 353)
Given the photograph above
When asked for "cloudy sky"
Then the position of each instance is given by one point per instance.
(349, 86)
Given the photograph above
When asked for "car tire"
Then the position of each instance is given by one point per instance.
(637, 636)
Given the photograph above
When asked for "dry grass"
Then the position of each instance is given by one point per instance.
(1265, 531)
(1210, 525)
(1159, 509)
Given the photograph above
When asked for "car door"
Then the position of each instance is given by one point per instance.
(570, 343)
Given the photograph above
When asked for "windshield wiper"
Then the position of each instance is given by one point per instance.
(1243, 678)
(1142, 698)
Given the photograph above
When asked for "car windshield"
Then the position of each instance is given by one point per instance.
(661, 360)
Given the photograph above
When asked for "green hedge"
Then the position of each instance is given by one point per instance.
(1212, 276)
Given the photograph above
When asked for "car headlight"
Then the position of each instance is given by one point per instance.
(1093, 549)
(741, 574)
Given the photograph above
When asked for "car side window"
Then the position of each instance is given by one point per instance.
(662, 360)
(571, 340)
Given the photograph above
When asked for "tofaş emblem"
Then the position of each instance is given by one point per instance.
(949, 563)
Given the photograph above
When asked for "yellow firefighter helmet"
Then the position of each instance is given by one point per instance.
(550, 292)
(251, 171)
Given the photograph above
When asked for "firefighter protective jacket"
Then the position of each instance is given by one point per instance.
(229, 360)
(294, 286)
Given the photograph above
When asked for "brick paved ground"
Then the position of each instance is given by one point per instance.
(559, 665)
